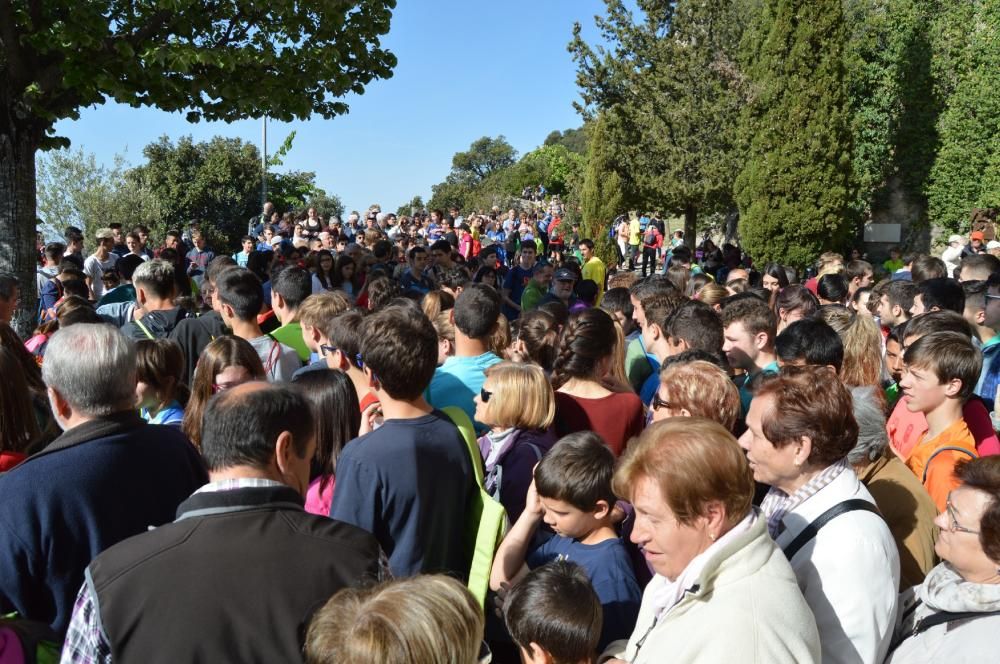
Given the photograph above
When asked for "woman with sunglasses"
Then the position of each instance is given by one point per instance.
(954, 615)
(225, 363)
(517, 404)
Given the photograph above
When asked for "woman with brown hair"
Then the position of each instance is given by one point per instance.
(585, 398)
(160, 390)
(18, 424)
(226, 362)
(722, 590)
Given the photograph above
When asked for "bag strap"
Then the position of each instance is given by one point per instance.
(938, 451)
(809, 532)
(939, 618)
(144, 329)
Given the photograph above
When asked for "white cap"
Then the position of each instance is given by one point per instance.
(956, 238)
(276, 240)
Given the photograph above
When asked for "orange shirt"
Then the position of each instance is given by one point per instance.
(938, 477)
(906, 428)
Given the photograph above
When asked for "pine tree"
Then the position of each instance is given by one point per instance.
(966, 173)
(794, 189)
(603, 196)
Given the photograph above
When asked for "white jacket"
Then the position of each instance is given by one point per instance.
(968, 641)
(848, 573)
(747, 608)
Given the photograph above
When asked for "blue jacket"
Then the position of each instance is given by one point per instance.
(93, 486)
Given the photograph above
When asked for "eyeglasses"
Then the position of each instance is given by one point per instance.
(325, 349)
(485, 395)
(658, 403)
(992, 297)
(953, 522)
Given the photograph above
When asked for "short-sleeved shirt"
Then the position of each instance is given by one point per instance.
(291, 335)
(280, 361)
(409, 483)
(595, 271)
(616, 417)
(608, 565)
(458, 381)
(933, 460)
(95, 268)
(515, 282)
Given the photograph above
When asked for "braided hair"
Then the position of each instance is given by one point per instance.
(587, 338)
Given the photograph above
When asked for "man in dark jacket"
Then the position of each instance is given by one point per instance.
(155, 288)
(237, 576)
(107, 477)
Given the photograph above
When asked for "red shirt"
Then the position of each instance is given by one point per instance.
(616, 418)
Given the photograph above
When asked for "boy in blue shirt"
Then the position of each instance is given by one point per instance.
(572, 494)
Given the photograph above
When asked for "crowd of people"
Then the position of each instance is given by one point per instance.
(458, 439)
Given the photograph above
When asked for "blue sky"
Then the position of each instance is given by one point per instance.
(467, 68)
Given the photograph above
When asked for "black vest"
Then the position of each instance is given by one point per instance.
(235, 579)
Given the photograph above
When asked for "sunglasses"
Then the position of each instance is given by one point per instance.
(485, 395)
(658, 403)
(325, 349)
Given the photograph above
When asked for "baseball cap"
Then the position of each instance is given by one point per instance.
(977, 235)
(106, 234)
(276, 240)
(564, 274)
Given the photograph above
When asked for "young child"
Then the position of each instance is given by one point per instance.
(940, 373)
(554, 615)
(572, 494)
(160, 391)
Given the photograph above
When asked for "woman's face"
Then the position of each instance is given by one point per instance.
(229, 378)
(145, 395)
(786, 318)
(771, 283)
(483, 409)
(668, 545)
(326, 263)
(963, 512)
(778, 466)
(347, 271)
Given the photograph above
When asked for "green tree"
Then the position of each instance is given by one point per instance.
(671, 81)
(216, 61)
(574, 140)
(406, 209)
(794, 190)
(966, 173)
(603, 195)
(327, 205)
(74, 190)
(485, 156)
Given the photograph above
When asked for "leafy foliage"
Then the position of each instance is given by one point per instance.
(603, 192)
(966, 173)
(574, 140)
(794, 191)
(416, 203)
(484, 157)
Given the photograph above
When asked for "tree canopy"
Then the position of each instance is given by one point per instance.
(287, 59)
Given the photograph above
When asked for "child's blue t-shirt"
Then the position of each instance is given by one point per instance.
(608, 565)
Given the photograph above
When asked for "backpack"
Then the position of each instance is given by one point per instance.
(487, 518)
(27, 642)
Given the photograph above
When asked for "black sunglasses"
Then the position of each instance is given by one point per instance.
(485, 395)
(325, 349)
(658, 403)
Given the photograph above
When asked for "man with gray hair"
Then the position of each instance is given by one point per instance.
(236, 576)
(156, 315)
(109, 476)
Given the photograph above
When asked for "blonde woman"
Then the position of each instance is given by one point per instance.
(430, 619)
(517, 404)
(862, 346)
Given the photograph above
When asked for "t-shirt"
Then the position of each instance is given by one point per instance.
(458, 381)
(595, 271)
(531, 297)
(515, 281)
(409, 483)
(410, 283)
(609, 568)
(94, 268)
(652, 383)
(280, 361)
(638, 363)
(938, 475)
(291, 335)
(616, 417)
(905, 428)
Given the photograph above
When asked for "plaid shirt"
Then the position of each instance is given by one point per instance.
(777, 503)
(86, 642)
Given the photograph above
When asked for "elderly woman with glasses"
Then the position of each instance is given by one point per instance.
(800, 429)
(954, 615)
(723, 591)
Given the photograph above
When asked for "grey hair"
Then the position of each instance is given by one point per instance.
(153, 271)
(872, 436)
(91, 366)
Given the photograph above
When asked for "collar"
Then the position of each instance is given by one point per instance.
(240, 495)
(102, 427)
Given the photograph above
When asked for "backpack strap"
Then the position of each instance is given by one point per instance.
(938, 451)
(144, 329)
(940, 618)
(810, 531)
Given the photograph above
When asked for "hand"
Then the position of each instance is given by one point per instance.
(368, 417)
(532, 504)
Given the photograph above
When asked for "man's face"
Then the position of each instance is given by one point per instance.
(132, 244)
(544, 276)
(527, 257)
(327, 241)
(894, 359)
(268, 234)
(741, 347)
(918, 305)
(419, 261)
(866, 279)
(9, 306)
(638, 314)
(117, 234)
(143, 238)
(885, 312)
(924, 390)
(563, 289)
(440, 258)
(171, 242)
(586, 252)
(248, 246)
(107, 244)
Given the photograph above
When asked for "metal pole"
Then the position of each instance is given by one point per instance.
(263, 162)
